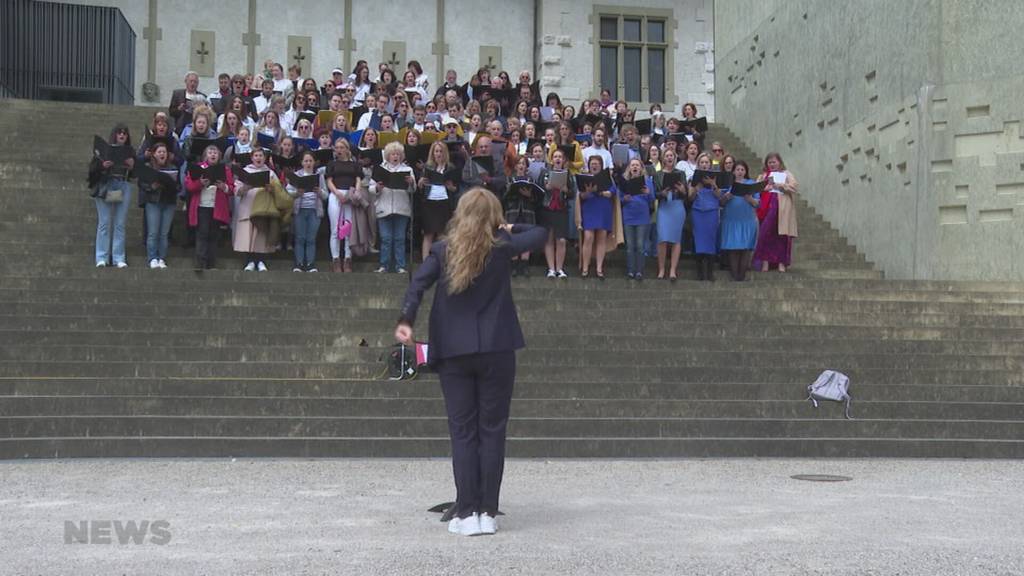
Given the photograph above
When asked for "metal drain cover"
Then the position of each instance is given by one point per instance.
(821, 478)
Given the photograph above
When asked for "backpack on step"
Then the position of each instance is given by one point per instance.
(831, 385)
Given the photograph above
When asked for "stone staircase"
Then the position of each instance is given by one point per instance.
(139, 362)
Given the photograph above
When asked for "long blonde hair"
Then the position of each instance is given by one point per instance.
(471, 236)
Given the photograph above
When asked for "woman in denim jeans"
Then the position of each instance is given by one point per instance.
(394, 209)
(308, 211)
(111, 216)
(159, 203)
(636, 217)
(706, 197)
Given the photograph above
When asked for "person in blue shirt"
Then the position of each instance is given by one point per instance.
(706, 197)
(596, 220)
(739, 221)
(636, 216)
(671, 216)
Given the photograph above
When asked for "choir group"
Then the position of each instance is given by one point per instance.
(386, 159)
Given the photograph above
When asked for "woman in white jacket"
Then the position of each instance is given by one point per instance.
(393, 206)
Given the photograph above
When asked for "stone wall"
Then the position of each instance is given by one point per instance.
(567, 40)
(901, 120)
(554, 39)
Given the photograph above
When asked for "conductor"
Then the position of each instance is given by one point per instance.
(474, 333)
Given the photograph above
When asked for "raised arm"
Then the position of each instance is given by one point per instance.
(527, 238)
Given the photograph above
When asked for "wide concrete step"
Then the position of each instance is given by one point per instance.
(356, 291)
(656, 447)
(437, 426)
(358, 288)
(76, 210)
(711, 369)
(589, 357)
(934, 340)
(369, 328)
(528, 301)
(138, 407)
(539, 388)
(316, 314)
(182, 258)
(774, 284)
(738, 341)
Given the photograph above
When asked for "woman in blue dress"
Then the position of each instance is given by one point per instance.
(671, 215)
(596, 216)
(704, 212)
(739, 225)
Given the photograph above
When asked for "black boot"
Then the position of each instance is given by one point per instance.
(711, 268)
(700, 268)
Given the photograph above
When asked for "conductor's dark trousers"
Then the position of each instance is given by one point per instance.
(477, 394)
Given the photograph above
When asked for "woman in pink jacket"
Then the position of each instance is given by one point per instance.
(208, 207)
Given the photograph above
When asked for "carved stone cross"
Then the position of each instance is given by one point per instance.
(202, 52)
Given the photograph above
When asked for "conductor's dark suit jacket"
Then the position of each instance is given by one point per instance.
(483, 317)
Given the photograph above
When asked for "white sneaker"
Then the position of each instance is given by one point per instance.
(154, 264)
(468, 526)
(488, 524)
(261, 267)
(381, 270)
(296, 269)
(312, 269)
(250, 267)
(401, 271)
(562, 274)
(163, 264)
(551, 273)
(101, 264)
(122, 264)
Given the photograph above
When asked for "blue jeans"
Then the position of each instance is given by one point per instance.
(636, 235)
(110, 218)
(651, 242)
(307, 223)
(158, 226)
(392, 239)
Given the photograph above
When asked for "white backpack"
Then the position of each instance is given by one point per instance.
(830, 385)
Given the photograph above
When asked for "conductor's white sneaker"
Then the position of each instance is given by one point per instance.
(488, 524)
(468, 526)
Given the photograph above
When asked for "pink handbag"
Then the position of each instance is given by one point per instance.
(344, 229)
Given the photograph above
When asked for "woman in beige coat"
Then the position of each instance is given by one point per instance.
(777, 216)
(257, 222)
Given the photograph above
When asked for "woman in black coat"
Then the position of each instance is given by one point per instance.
(474, 333)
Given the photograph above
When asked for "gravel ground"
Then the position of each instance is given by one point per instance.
(729, 517)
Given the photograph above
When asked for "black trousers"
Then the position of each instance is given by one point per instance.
(477, 394)
(207, 236)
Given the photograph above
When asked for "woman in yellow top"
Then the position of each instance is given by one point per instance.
(565, 136)
(565, 140)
